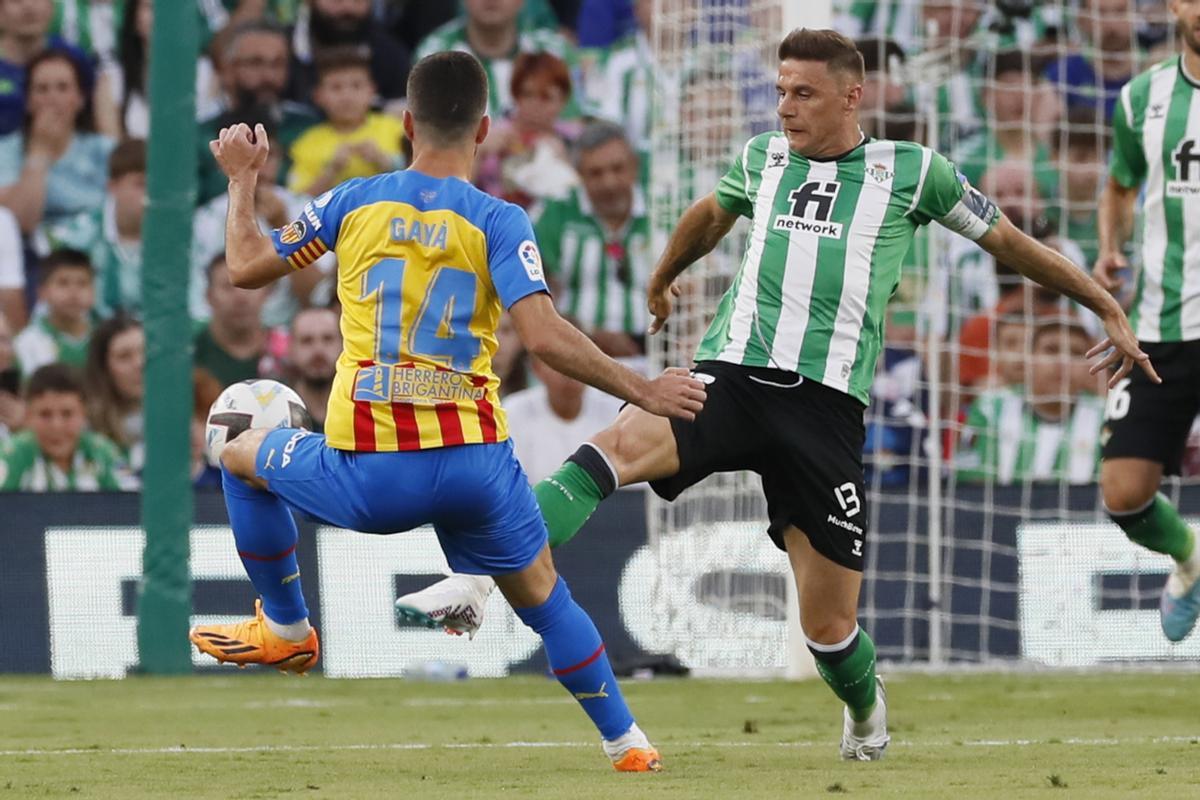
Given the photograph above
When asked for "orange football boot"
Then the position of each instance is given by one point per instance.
(252, 642)
(638, 759)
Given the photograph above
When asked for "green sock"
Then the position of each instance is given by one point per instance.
(567, 498)
(1160, 528)
(850, 672)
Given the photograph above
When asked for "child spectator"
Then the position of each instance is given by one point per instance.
(234, 341)
(61, 334)
(114, 381)
(1045, 433)
(111, 233)
(56, 165)
(354, 141)
(56, 453)
(525, 155)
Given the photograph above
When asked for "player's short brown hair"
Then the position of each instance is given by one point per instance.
(448, 94)
(827, 46)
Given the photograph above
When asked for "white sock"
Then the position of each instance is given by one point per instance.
(292, 631)
(633, 737)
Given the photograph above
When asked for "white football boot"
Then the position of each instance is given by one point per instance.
(866, 740)
(455, 603)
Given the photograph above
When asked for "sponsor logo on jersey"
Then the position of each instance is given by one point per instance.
(310, 214)
(293, 232)
(371, 384)
(812, 206)
(323, 200)
(531, 259)
(1186, 158)
(845, 524)
(880, 173)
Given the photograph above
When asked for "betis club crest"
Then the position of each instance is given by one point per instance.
(880, 173)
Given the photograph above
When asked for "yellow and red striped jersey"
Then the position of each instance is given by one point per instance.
(425, 266)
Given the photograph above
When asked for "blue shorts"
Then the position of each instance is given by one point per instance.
(476, 496)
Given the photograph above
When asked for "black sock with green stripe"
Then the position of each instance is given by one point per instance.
(1158, 527)
(849, 669)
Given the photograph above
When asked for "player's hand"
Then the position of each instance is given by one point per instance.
(675, 393)
(1121, 347)
(661, 302)
(241, 152)
(1107, 271)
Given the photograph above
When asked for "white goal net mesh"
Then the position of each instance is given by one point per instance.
(988, 540)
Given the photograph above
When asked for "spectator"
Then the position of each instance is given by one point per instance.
(205, 391)
(885, 109)
(114, 380)
(253, 71)
(336, 24)
(353, 141)
(313, 350)
(56, 453)
(1047, 433)
(525, 156)
(67, 291)
(54, 167)
(1082, 160)
(1093, 79)
(490, 30)
(595, 244)
(111, 233)
(275, 207)
(12, 407)
(620, 78)
(234, 341)
(548, 421)
(12, 270)
(24, 34)
(511, 362)
(1008, 96)
(131, 72)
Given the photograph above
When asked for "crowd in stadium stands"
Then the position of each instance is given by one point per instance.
(1022, 107)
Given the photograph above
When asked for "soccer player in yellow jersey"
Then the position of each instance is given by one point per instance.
(415, 433)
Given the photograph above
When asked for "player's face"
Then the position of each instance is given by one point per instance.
(1187, 17)
(609, 173)
(68, 294)
(315, 345)
(814, 104)
(26, 17)
(493, 13)
(260, 66)
(126, 357)
(53, 87)
(345, 95)
(57, 420)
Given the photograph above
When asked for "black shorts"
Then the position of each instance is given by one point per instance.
(804, 439)
(1150, 420)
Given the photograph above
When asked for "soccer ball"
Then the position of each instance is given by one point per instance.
(252, 404)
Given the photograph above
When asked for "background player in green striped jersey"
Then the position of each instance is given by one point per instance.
(1156, 143)
(790, 354)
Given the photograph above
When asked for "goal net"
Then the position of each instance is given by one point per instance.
(988, 542)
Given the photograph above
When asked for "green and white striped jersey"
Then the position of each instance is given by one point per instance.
(96, 466)
(619, 84)
(827, 240)
(1156, 140)
(453, 36)
(602, 276)
(1005, 442)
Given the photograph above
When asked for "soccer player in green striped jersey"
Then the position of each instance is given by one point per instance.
(1156, 145)
(789, 357)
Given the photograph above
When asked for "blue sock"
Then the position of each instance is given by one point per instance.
(266, 536)
(576, 654)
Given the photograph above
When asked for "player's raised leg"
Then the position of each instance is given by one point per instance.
(638, 446)
(845, 654)
(265, 534)
(1130, 488)
(576, 655)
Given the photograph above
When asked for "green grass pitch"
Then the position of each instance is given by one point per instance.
(961, 736)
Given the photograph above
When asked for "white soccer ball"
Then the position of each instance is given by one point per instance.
(252, 404)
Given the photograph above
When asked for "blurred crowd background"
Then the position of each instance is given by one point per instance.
(1018, 94)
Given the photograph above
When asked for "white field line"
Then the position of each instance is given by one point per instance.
(321, 748)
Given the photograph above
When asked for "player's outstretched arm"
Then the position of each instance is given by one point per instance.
(699, 230)
(1042, 265)
(1115, 227)
(249, 254)
(565, 348)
